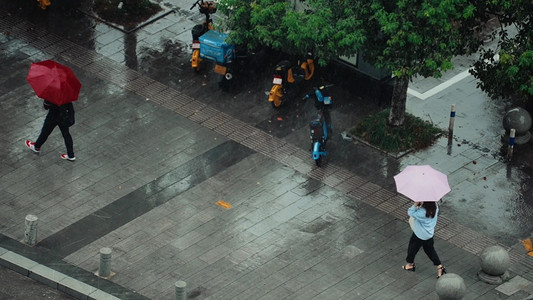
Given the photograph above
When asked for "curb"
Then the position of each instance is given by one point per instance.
(51, 277)
(45, 267)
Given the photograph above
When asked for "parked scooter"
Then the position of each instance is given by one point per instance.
(210, 45)
(321, 126)
(286, 75)
(207, 8)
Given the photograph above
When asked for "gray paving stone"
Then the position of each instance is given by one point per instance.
(75, 288)
(513, 285)
(98, 294)
(278, 293)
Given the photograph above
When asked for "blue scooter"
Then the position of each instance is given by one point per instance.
(321, 126)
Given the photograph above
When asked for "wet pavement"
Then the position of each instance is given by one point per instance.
(151, 196)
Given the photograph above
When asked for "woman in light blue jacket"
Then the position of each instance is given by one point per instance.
(424, 216)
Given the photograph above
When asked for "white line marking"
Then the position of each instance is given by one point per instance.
(440, 87)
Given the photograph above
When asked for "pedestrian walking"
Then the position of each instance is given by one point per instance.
(424, 219)
(62, 116)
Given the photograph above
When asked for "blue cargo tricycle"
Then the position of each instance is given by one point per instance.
(209, 44)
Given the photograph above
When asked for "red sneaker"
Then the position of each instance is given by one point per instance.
(65, 156)
(31, 145)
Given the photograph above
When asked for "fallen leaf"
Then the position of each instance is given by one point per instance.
(528, 244)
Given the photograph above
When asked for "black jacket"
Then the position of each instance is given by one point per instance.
(63, 115)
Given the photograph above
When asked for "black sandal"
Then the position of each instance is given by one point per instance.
(412, 267)
(441, 271)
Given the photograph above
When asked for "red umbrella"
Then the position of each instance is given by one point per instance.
(54, 82)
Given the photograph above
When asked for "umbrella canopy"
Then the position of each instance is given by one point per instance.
(54, 82)
(422, 183)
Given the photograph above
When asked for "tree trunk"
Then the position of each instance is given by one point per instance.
(399, 98)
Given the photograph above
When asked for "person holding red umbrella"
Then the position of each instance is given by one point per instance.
(59, 87)
(62, 116)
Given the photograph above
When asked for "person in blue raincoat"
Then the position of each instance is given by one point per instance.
(424, 220)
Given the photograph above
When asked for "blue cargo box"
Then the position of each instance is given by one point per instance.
(213, 47)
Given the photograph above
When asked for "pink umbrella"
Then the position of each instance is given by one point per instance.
(422, 183)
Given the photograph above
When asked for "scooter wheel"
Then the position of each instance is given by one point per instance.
(277, 102)
(319, 161)
(276, 105)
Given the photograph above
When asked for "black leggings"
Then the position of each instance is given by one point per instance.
(414, 245)
(50, 122)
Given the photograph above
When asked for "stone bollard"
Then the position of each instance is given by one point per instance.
(452, 121)
(519, 119)
(104, 269)
(30, 232)
(494, 264)
(511, 144)
(180, 292)
(450, 287)
(450, 129)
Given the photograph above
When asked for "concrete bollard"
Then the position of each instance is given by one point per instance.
(452, 121)
(511, 144)
(494, 264)
(30, 232)
(450, 287)
(450, 129)
(519, 119)
(180, 292)
(104, 268)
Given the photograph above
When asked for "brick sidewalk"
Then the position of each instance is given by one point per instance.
(293, 230)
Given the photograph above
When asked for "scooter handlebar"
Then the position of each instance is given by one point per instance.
(326, 86)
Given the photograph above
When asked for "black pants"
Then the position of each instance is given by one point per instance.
(414, 245)
(50, 122)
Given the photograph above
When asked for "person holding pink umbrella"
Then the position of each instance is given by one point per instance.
(425, 186)
(424, 216)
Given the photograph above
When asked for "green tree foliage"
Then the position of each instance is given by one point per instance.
(511, 76)
(407, 37)
(416, 38)
(327, 30)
